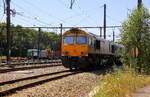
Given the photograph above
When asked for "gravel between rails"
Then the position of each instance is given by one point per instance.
(28, 73)
(28, 68)
(78, 85)
(30, 81)
(27, 65)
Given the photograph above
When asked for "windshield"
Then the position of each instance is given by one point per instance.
(68, 40)
(81, 40)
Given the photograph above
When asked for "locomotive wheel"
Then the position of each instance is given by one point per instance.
(70, 63)
(118, 62)
(73, 66)
(110, 61)
(75, 63)
(94, 61)
(65, 62)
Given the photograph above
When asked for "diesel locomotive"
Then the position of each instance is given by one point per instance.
(80, 49)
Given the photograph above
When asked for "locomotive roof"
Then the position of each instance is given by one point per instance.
(75, 30)
(97, 37)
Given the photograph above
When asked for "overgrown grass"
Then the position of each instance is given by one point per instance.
(122, 84)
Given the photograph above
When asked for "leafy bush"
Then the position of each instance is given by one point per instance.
(135, 36)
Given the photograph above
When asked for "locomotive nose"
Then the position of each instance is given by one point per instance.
(74, 50)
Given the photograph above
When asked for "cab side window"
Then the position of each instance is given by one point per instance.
(97, 44)
(91, 42)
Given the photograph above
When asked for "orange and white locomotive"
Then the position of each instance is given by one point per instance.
(80, 49)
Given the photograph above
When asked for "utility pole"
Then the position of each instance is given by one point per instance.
(8, 30)
(139, 3)
(104, 21)
(113, 36)
(61, 32)
(100, 31)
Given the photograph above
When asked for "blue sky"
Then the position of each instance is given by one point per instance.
(84, 12)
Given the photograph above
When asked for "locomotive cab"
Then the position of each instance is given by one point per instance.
(74, 48)
(74, 44)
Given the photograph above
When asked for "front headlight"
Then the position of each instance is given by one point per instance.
(83, 53)
(65, 53)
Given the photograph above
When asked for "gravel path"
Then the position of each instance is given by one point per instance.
(78, 85)
(142, 92)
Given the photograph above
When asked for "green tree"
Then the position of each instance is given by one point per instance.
(3, 41)
(24, 39)
(135, 33)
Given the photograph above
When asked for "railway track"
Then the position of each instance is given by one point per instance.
(34, 65)
(27, 68)
(50, 73)
(30, 62)
(54, 81)
(11, 86)
(20, 84)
